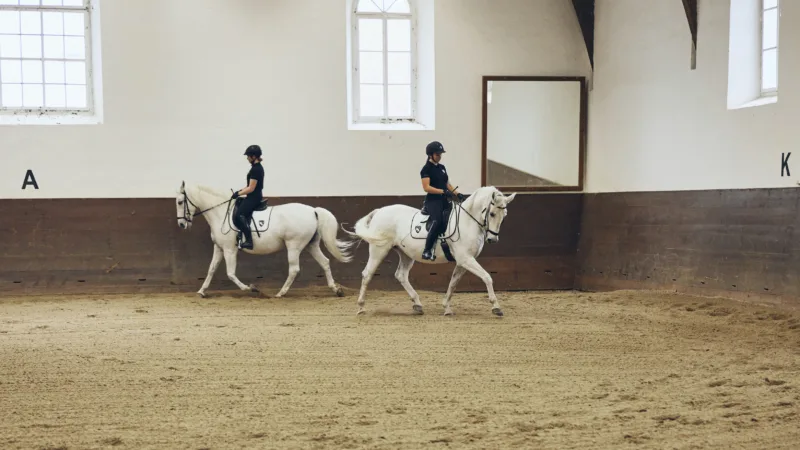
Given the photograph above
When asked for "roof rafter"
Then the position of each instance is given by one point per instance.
(584, 11)
(690, 6)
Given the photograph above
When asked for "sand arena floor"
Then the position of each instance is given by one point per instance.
(565, 370)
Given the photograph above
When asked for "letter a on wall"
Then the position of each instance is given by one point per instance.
(30, 180)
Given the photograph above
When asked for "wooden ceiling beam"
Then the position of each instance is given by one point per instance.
(584, 11)
(690, 6)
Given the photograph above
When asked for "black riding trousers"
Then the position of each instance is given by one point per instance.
(436, 209)
(246, 208)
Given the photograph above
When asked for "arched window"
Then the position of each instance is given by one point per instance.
(384, 61)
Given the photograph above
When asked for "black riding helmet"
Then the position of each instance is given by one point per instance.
(253, 150)
(434, 147)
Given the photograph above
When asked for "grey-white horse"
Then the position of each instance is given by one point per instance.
(292, 226)
(401, 227)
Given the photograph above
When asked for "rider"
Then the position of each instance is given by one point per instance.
(253, 192)
(439, 190)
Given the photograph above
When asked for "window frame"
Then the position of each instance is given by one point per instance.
(355, 69)
(770, 92)
(91, 109)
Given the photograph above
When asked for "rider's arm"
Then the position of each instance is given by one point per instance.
(426, 186)
(250, 188)
(451, 188)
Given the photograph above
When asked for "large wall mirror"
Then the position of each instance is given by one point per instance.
(534, 133)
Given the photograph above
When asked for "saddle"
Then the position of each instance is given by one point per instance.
(261, 206)
(422, 219)
(259, 221)
(426, 216)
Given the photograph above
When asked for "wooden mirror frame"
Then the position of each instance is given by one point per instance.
(581, 137)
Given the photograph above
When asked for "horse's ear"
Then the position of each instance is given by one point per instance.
(510, 198)
(183, 185)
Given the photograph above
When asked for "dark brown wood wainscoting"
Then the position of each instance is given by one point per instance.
(135, 245)
(735, 243)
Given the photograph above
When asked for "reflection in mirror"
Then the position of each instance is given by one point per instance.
(533, 134)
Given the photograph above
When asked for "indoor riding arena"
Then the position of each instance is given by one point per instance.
(617, 174)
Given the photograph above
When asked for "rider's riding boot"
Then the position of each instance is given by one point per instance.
(429, 241)
(248, 235)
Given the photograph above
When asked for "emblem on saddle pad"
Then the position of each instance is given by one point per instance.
(261, 223)
(418, 228)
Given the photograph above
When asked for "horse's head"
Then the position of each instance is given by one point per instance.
(185, 208)
(494, 213)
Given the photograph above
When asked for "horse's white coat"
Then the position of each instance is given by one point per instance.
(293, 226)
(470, 225)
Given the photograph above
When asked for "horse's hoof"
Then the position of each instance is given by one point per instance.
(418, 310)
(339, 291)
(361, 311)
(449, 313)
(201, 294)
(497, 312)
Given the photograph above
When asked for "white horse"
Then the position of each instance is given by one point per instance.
(401, 227)
(293, 226)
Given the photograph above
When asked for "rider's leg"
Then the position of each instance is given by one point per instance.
(435, 216)
(245, 215)
(447, 209)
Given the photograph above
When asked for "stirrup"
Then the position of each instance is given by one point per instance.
(240, 241)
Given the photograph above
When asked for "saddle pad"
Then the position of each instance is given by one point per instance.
(260, 221)
(419, 225)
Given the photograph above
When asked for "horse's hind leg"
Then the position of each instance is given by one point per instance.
(376, 255)
(325, 263)
(293, 253)
(403, 268)
(215, 260)
(458, 272)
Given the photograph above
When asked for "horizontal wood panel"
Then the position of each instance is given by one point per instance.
(132, 245)
(737, 243)
(740, 242)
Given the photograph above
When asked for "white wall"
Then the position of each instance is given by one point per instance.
(654, 124)
(534, 126)
(190, 83)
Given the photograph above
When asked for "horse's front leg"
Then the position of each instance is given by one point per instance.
(472, 265)
(230, 264)
(215, 260)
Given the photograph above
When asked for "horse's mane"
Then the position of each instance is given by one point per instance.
(208, 190)
(482, 194)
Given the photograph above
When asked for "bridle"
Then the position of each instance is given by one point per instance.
(187, 215)
(485, 212)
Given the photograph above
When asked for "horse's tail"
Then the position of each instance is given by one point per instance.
(327, 228)
(362, 230)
